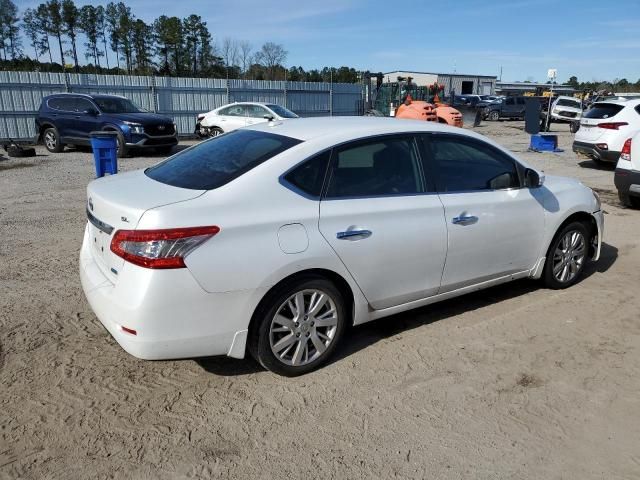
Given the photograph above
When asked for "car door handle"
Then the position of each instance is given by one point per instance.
(353, 234)
(464, 220)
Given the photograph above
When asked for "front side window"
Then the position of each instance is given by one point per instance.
(256, 111)
(470, 165)
(378, 167)
(218, 161)
(510, 101)
(82, 105)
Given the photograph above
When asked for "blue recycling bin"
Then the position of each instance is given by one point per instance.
(105, 152)
(544, 143)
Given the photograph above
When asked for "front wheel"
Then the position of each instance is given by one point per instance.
(567, 256)
(494, 116)
(574, 127)
(215, 132)
(298, 327)
(51, 139)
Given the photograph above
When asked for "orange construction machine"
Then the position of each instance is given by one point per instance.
(429, 112)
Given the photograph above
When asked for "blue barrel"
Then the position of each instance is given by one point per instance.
(105, 152)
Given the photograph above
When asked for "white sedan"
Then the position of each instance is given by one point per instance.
(271, 239)
(237, 115)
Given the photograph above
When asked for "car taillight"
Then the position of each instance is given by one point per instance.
(625, 153)
(160, 248)
(612, 125)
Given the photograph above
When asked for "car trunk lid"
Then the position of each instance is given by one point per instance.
(118, 202)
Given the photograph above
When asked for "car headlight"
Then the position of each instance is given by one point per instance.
(597, 197)
(135, 127)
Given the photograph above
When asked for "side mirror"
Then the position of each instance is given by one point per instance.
(91, 111)
(269, 117)
(533, 179)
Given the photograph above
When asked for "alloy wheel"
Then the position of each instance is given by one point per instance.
(569, 256)
(50, 140)
(303, 327)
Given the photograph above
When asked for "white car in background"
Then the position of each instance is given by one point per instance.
(605, 127)
(238, 115)
(273, 238)
(566, 109)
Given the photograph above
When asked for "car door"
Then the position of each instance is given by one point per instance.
(233, 117)
(520, 107)
(495, 226)
(383, 222)
(63, 115)
(256, 113)
(84, 123)
(509, 107)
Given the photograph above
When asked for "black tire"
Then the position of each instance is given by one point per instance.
(51, 140)
(123, 150)
(494, 116)
(628, 200)
(574, 127)
(20, 152)
(259, 342)
(548, 277)
(164, 150)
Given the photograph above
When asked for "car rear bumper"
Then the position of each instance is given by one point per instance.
(172, 316)
(627, 182)
(593, 151)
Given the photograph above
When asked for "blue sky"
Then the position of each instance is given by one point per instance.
(593, 40)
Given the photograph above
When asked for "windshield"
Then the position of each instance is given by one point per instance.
(216, 162)
(281, 111)
(565, 102)
(116, 105)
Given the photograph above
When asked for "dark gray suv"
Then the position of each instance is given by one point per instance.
(68, 118)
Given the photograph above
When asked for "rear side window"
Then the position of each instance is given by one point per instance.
(469, 165)
(374, 168)
(234, 111)
(216, 162)
(309, 176)
(66, 104)
(510, 101)
(603, 110)
(520, 101)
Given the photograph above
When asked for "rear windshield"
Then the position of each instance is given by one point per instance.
(282, 112)
(565, 102)
(215, 162)
(603, 110)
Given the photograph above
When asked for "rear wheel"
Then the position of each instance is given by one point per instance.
(51, 139)
(628, 200)
(298, 326)
(567, 256)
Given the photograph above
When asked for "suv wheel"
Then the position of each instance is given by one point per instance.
(51, 140)
(123, 151)
(298, 326)
(494, 116)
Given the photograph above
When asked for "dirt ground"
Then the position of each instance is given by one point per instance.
(513, 382)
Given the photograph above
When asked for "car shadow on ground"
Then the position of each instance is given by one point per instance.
(363, 336)
(593, 165)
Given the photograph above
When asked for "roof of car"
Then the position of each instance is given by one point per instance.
(355, 127)
(620, 101)
(86, 95)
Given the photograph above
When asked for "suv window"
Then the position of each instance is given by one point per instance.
(380, 167)
(309, 176)
(520, 101)
(66, 104)
(510, 101)
(234, 111)
(256, 111)
(469, 165)
(216, 162)
(82, 104)
(603, 110)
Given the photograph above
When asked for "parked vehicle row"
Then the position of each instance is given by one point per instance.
(68, 119)
(273, 238)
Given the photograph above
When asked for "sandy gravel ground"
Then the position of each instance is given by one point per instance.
(511, 383)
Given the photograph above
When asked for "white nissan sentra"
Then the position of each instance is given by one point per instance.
(273, 239)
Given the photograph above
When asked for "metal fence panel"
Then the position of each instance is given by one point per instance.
(180, 98)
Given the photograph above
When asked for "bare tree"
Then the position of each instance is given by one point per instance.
(246, 57)
(230, 52)
(271, 56)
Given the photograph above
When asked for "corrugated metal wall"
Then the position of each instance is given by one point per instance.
(180, 98)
